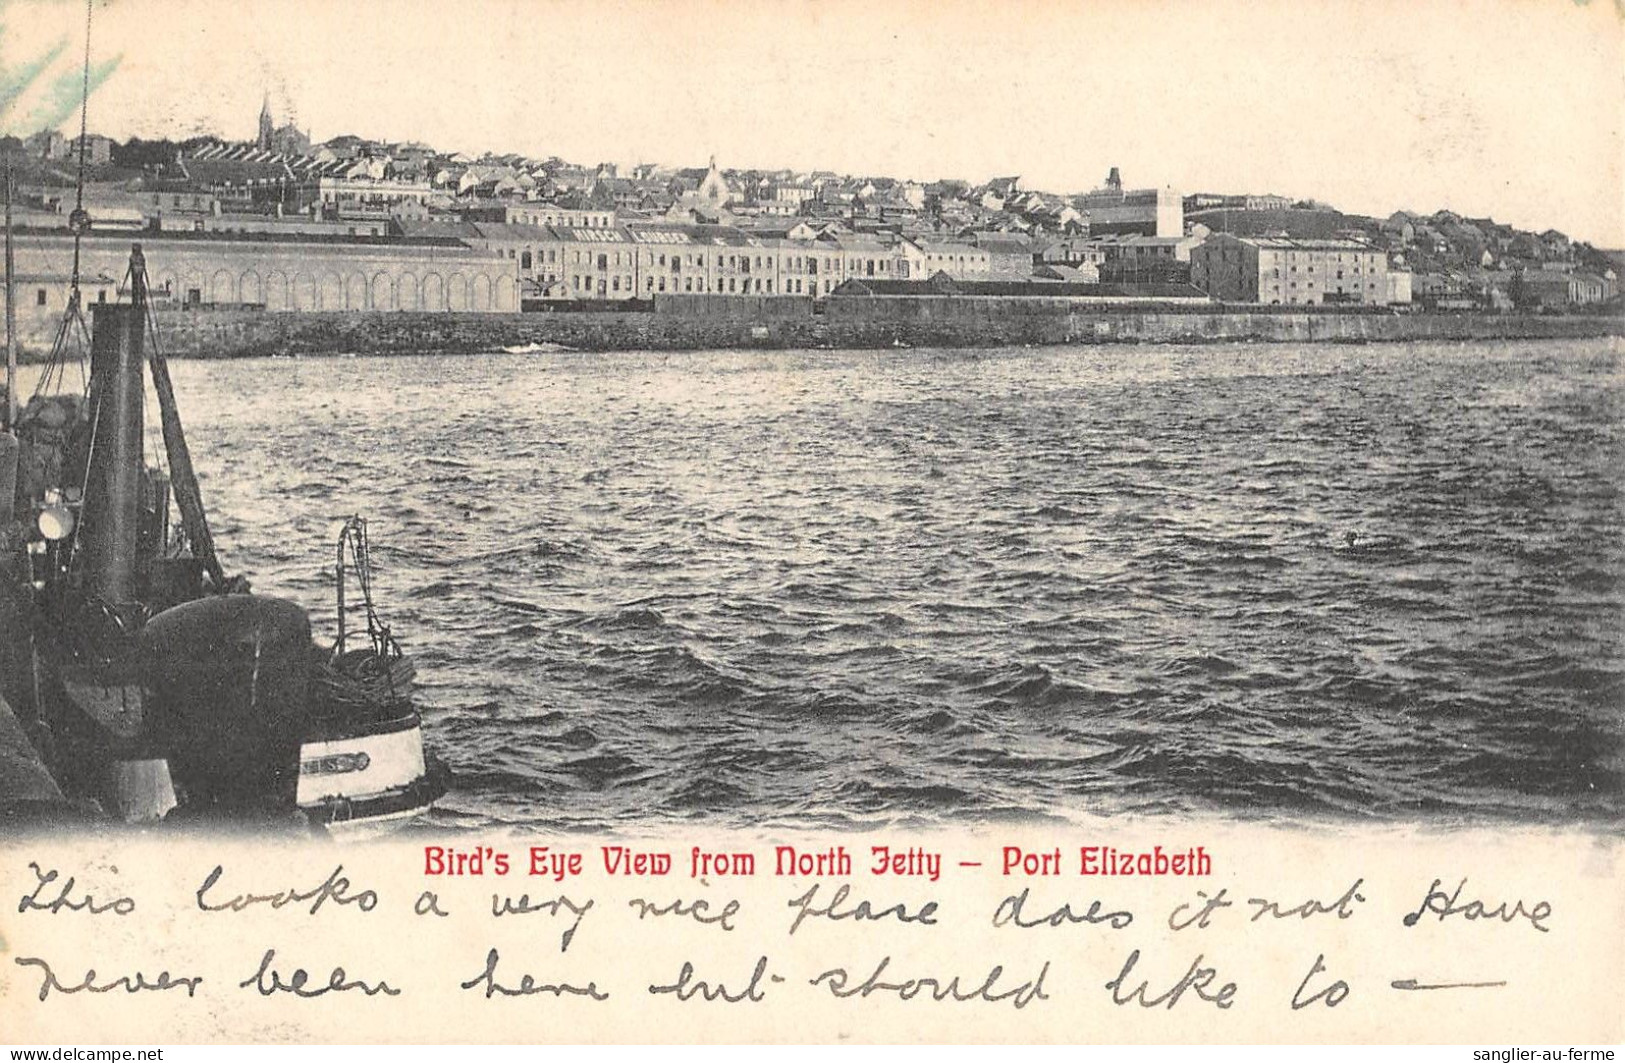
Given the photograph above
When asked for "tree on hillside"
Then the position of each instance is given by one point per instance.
(140, 154)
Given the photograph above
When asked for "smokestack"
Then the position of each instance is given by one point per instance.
(113, 482)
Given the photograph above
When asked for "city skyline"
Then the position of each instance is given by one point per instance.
(1508, 110)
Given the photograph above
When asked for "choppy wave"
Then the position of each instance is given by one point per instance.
(855, 588)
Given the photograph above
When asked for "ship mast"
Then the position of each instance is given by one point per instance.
(11, 316)
(188, 495)
(72, 327)
(79, 221)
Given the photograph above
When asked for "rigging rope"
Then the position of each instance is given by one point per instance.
(54, 374)
(84, 123)
(379, 675)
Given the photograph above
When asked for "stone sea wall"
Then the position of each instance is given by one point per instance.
(849, 323)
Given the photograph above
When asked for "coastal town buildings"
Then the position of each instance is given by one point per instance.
(958, 260)
(1290, 271)
(1399, 288)
(1148, 211)
(1009, 253)
(528, 213)
(1206, 201)
(205, 270)
(1138, 258)
(641, 259)
(1549, 289)
(448, 230)
(282, 140)
(51, 145)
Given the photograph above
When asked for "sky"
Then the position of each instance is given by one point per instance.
(1510, 108)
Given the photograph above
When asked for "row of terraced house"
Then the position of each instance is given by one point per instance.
(644, 259)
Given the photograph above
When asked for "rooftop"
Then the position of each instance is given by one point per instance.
(1294, 243)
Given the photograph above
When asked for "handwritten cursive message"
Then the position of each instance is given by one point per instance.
(1030, 937)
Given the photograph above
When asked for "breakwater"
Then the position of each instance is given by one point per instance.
(857, 323)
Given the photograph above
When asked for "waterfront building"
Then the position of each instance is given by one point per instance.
(1446, 290)
(526, 246)
(596, 263)
(1288, 271)
(641, 260)
(961, 261)
(911, 259)
(1138, 250)
(1591, 288)
(735, 265)
(1548, 289)
(1543, 289)
(1136, 258)
(808, 268)
(864, 255)
(210, 270)
(1009, 254)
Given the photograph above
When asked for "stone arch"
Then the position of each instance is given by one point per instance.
(434, 292)
(276, 290)
(457, 292)
(355, 292)
(332, 292)
(222, 287)
(249, 288)
(505, 289)
(304, 292)
(482, 292)
(406, 292)
(383, 293)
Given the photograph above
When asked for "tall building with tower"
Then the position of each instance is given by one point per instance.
(1143, 211)
(284, 140)
(267, 132)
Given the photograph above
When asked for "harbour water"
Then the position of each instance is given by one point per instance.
(917, 587)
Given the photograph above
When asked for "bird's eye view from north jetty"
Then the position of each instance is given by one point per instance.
(428, 418)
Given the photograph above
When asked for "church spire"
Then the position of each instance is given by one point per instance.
(264, 142)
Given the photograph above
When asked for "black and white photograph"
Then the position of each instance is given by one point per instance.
(519, 420)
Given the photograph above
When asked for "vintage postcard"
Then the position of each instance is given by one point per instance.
(706, 522)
